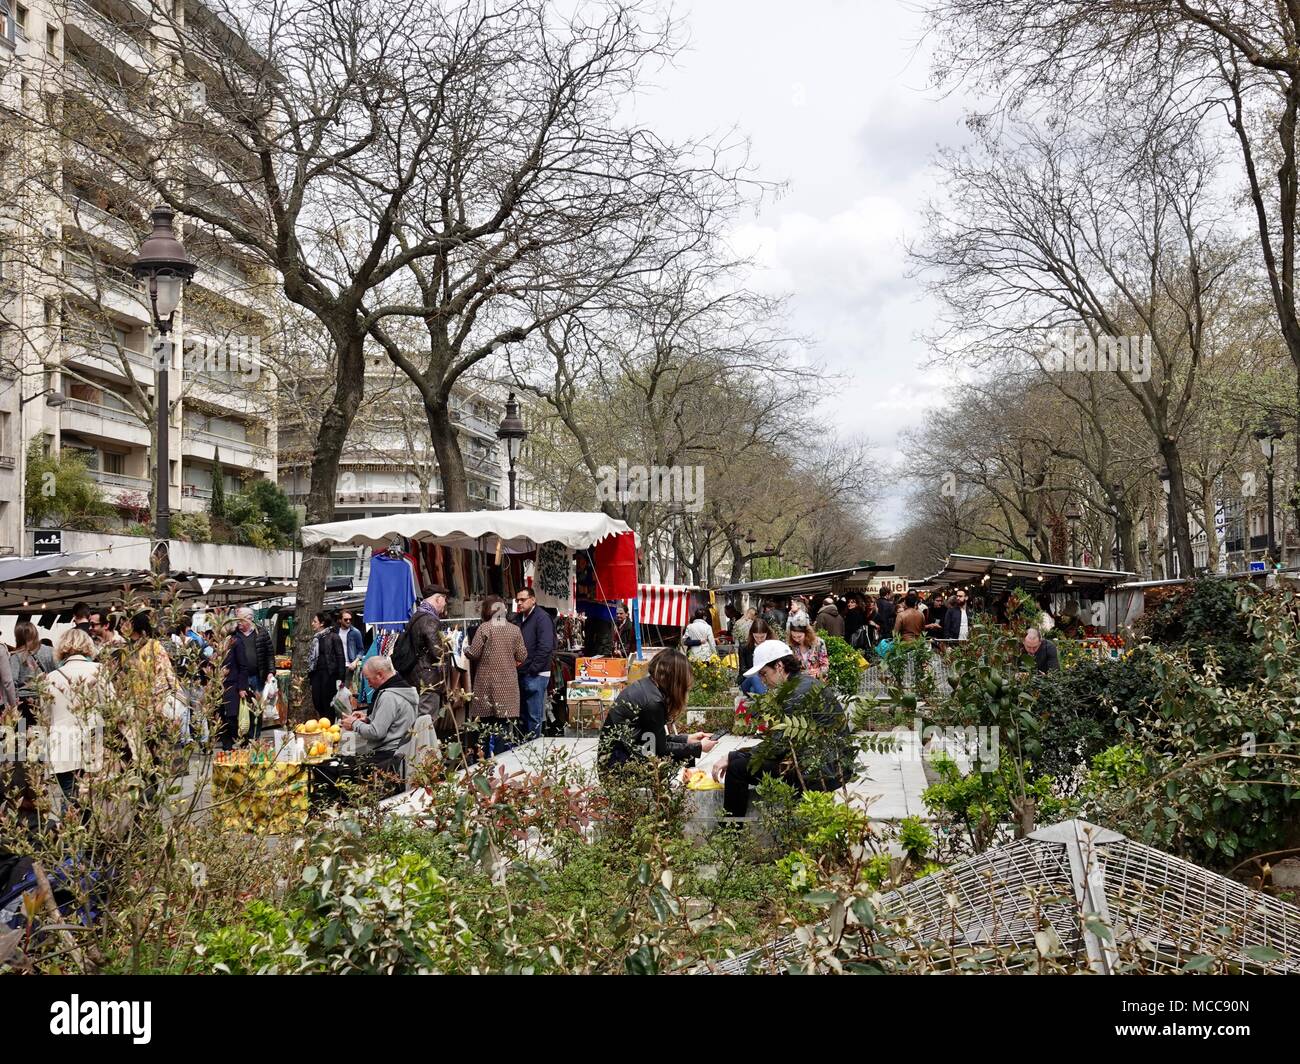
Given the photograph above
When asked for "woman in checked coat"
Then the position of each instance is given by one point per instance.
(497, 651)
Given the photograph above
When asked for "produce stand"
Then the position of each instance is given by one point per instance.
(264, 797)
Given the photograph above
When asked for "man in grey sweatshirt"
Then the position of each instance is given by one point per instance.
(384, 730)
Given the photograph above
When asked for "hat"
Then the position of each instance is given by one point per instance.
(768, 651)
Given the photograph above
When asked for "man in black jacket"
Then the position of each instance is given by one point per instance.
(249, 661)
(884, 619)
(1044, 651)
(538, 630)
(956, 622)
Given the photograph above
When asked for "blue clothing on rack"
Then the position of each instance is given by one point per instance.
(390, 591)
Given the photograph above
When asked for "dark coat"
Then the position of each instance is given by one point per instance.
(853, 620)
(330, 665)
(245, 669)
(885, 618)
(538, 631)
(424, 630)
(952, 622)
(640, 716)
(1046, 657)
(829, 620)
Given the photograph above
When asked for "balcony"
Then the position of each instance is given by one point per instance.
(107, 361)
(231, 285)
(488, 466)
(101, 225)
(93, 32)
(120, 484)
(104, 96)
(102, 422)
(474, 423)
(205, 446)
(107, 287)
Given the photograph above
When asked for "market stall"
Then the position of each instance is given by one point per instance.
(575, 563)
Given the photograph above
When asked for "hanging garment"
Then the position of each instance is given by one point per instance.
(553, 569)
(390, 591)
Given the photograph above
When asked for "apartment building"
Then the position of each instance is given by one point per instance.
(76, 349)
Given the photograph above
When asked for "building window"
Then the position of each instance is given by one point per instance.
(114, 463)
(52, 39)
(7, 32)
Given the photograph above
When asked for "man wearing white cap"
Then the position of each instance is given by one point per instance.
(823, 761)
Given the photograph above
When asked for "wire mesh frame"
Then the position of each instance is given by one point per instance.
(877, 680)
(1164, 911)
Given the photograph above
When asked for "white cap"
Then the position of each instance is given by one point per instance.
(768, 651)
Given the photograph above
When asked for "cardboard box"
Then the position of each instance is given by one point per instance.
(602, 668)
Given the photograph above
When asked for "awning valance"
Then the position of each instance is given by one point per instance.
(521, 531)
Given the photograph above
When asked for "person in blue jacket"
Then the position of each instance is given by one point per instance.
(538, 630)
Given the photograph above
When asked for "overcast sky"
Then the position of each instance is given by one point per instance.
(832, 94)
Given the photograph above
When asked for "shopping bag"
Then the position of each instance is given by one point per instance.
(341, 703)
(245, 721)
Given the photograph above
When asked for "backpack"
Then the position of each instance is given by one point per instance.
(404, 656)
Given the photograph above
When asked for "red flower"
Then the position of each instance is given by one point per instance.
(762, 728)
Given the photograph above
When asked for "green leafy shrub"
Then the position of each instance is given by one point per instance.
(712, 683)
(916, 839)
(192, 528)
(845, 666)
(60, 492)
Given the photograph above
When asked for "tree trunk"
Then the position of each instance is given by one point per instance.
(1211, 526)
(1179, 512)
(335, 423)
(451, 463)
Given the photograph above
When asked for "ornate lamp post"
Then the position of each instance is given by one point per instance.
(165, 269)
(1073, 517)
(750, 540)
(513, 432)
(1268, 437)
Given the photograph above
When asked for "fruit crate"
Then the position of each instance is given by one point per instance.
(587, 714)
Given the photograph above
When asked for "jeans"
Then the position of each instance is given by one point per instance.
(532, 704)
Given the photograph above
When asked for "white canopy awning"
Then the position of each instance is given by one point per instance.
(521, 530)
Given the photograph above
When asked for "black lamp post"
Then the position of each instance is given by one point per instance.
(1268, 437)
(165, 268)
(1073, 517)
(750, 540)
(513, 432)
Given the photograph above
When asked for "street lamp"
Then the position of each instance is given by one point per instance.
(1268, 437)
(165, 269)
(513, 431)
(1073, 517)
(750, 540)
(1166, 482)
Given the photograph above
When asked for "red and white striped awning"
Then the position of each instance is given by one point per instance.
(665, 604)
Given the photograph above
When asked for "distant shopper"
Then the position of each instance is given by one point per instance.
(538, 630)
(31, 659)
(855, 616)
(1043, 650)
(248, 663)
(352, 641)
(496, 652)
(698, 637)
(425, 632)
(75, 689)
(624, 634)
(759, 633)
(829, 619)
(956, 621)
(910, 623)
(326, 666)
(885, 615)
(809, 648)
(81, 616)
(740, 629)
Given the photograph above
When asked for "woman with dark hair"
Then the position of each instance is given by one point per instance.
(759, 632)
(326, 668)
(495, 655)
(821, 761)
(638, 722)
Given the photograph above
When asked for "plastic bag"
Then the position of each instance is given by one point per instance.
(245, 722)
(341, 703)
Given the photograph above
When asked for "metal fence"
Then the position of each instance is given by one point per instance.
(878, 679)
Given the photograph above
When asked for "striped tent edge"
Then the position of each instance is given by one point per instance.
(664, 604)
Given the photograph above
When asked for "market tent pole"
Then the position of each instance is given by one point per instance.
(636, 626)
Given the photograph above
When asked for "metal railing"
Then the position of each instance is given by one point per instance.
(231, 442)
(119, 480)
(80, 406)
(100, 24)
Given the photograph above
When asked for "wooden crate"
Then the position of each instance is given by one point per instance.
(587, 714)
